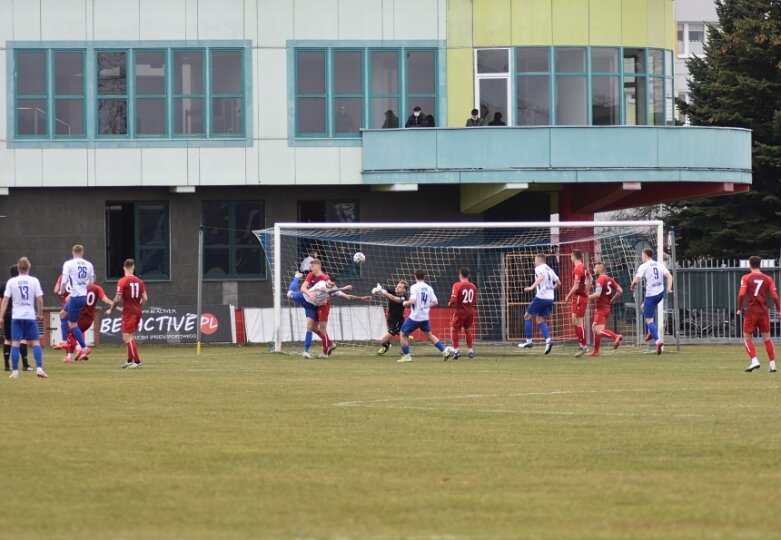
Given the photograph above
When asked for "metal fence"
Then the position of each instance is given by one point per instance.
(705, 310)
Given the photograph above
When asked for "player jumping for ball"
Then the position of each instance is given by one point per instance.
(396, 297)
(755, 286)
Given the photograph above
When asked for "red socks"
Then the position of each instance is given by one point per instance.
(132, 351)
(750, 349)
(771, 350)
(609, 334)
(470, 337)
(454, 338)
(597, 340)
(580, 332)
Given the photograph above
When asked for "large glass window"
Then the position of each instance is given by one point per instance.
(493, 86)
(138, 230)
(571, 92)
(138, 93)
(112, 92)
(36, 90)
(150, 93)
(533, 87)
(691, 39)
(189, 90)
(582, 86)
(230, 249)
(340, 91)
(226, 93)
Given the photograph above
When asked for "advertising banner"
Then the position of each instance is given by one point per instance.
(175, 324)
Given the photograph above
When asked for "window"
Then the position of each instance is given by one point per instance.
(534, 100)
(138, 230)
(230, 249)
(691, 39)
(112, 93)
(340, 91)
(492, 68)
(49, 81)
(582, 86)
(571, 102)
(137, 93)
(605, 101)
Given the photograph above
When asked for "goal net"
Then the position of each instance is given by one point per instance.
(499, 256)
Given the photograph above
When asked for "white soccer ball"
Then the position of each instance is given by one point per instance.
(359, 257)
(450, 351)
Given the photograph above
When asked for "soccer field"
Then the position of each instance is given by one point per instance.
(239, 443)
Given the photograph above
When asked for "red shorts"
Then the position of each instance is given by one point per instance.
(579, 305)
(601, 313)
(462, 321)
(130, 322)
(323, 311)
(751, 322)
(84, 324)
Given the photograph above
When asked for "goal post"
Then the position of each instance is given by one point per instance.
(499, 255)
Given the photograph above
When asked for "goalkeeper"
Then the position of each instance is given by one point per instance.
(395, 296)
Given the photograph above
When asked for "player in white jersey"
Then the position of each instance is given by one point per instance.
(25, 294)
(653, 274)
(421, 300)
(546, 281)
(77, 274)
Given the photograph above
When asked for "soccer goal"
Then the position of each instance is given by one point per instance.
(500, 257)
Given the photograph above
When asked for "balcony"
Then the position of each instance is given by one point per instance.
(557, 155)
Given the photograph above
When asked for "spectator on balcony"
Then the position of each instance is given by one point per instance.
(497, 121)
(417, 119)
(474, 120)
(391, 120)
(430, 122)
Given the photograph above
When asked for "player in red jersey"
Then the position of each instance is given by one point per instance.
(606, 292)
(86, 317)
(755, 286)
(131, 293)
(319, 326)
(464, 297)
(581, 283)
(63, 294)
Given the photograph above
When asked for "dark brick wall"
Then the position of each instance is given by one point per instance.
(44, 223)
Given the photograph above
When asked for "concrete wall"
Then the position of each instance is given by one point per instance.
(267, 24)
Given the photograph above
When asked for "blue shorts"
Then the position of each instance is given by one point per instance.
(309, 308)
(650, 303)
(24, 329)
(410, 326)
(540, 307)
(74, 305)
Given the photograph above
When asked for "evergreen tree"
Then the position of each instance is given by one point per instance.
(737, 83)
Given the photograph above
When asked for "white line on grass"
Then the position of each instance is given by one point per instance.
(360, 403)
(549, 413)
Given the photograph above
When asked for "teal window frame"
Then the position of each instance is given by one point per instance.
(233, 246)
(50, 97)
(208, 109)
(141, 97)
(342, 95)
(645, 77)
(367, 95)
(68, 97)
(164, 244)
(129, 82)
(205, 101)
(90, 137)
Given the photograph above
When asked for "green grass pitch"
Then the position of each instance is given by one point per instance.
(239, 443)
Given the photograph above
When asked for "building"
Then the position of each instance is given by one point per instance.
(692, 18)
(129, 123)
